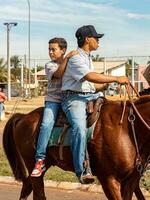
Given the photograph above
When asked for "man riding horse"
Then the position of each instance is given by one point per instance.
(79, 86)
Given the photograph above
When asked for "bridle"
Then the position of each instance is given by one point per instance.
(131, 118)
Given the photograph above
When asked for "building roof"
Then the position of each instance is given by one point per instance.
(99, 66)
(41, 73)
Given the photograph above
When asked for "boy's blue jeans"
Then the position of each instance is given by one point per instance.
(74, 106)
(48, 121)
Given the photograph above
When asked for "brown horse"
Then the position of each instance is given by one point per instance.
(112, 150)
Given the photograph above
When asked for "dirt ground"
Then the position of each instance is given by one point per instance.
(19, 105)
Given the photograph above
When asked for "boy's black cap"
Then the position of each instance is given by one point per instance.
(87, 31)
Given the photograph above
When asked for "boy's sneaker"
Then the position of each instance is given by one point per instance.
(86, 178)
(39, 168)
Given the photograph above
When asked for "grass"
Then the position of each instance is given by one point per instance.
(57, 174)
(54, 173)
(5, 169)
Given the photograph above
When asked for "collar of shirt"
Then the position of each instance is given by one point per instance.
(87, 56)
(84, 53)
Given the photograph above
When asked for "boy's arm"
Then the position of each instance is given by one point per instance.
(61, 69)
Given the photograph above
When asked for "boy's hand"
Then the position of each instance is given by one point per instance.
(71, 53)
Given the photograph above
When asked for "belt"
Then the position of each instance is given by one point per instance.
(76, 92)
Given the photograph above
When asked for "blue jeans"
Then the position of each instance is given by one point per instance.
(48, 121)
(74, 106)
(1, 110)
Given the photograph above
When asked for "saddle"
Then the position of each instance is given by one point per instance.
(93, 110)
(61, 138)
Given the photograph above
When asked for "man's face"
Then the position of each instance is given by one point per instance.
(93, 43)
(55, 52)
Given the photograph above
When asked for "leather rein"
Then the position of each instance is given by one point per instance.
(131, 119)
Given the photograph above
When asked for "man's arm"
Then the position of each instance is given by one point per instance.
(95, 77)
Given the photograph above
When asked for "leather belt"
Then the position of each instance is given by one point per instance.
(76, 92)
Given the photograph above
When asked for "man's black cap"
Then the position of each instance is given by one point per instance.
(87, 31)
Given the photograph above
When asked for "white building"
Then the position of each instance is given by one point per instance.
(114, 68)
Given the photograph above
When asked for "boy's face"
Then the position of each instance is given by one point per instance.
(55, 52)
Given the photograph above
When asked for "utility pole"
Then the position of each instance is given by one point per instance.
(9, 25)
(29, 48)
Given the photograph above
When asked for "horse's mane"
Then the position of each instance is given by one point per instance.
(142, 99)
(144, 92)
(139, 100)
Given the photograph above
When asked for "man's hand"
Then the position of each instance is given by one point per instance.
(123, 80)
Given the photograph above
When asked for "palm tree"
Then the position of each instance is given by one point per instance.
(3, 71)
(97, 58)
(15, 61)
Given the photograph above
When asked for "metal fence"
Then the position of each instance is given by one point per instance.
(133, 66)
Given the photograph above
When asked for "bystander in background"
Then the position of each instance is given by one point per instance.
(3, 98)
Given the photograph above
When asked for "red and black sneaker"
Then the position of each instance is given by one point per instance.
(39, 168)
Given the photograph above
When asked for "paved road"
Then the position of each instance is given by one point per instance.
(11, 192)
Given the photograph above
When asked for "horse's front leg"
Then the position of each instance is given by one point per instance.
(111, 188)
(38, 188)
(130, 186)
(138, 193)
(26, 189)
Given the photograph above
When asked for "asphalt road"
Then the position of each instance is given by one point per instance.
(11, 192)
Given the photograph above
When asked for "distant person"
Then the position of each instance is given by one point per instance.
(3, 98)
(79, 85)
(54, 70)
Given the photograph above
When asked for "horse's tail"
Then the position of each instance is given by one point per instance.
(13, 156)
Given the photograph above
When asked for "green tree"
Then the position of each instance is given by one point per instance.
(15, 61)
(97, 58)
(129, 68)
(3, 71)
(39, 68)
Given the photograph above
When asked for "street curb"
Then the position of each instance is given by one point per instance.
(63, 185)
(60, 185)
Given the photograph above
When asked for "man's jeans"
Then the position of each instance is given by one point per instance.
(49, 117)
(74, 106)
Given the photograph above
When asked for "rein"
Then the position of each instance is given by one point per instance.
(133, 105)
(131, 119)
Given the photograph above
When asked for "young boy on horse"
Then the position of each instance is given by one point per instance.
(79, 85)
(54, 70)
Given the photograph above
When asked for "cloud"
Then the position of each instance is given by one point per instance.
(53, 17)
(138, 16)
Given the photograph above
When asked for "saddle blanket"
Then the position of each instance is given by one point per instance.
(56, 132)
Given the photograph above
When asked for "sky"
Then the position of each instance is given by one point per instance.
(125, 23)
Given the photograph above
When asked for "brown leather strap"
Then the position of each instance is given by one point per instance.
(128, 89)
